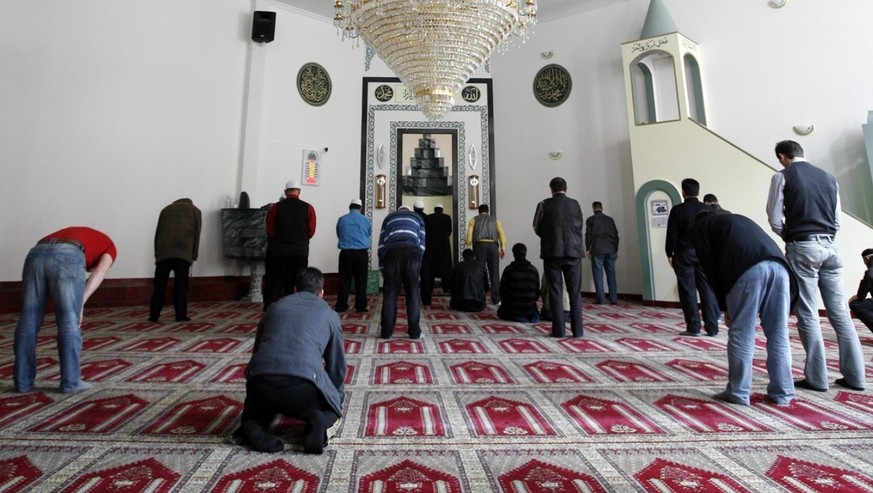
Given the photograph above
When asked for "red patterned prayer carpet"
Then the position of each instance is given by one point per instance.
(478, 405)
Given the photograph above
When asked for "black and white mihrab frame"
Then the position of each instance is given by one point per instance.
(387, 107)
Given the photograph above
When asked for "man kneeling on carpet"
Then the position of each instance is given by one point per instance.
(297, 369)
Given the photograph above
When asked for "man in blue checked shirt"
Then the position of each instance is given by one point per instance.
(401, 247)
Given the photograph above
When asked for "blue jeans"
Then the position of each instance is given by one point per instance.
(819, 265)
(598, 264)
(762, 290)
(56, 270)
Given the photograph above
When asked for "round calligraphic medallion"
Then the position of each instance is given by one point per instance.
(313, 82)
(384, 93)
(471, 94)
(552, 85)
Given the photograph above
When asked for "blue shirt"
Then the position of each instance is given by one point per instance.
(354, 231)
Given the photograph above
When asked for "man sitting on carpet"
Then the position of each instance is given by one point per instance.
(860, 303)
(297, 369)
(519, 288)
(469, 283)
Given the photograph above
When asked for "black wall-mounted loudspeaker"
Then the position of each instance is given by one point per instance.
(263, 26)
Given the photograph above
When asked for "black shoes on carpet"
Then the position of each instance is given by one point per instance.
(803, 384)
(843, 383)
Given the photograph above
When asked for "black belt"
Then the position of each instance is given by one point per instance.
(815, 237)
(52, 241)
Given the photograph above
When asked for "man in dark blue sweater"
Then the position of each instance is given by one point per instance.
(804, 209)
(750, 277)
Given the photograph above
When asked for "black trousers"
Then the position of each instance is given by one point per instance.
(352, 267)
(691, 280)
(489, 252)
(280, 272)
(568, 270)
(295, 397)
(180, 269)
(864, 311)
(402, 266)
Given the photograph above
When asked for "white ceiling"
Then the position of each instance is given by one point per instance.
(547, 9)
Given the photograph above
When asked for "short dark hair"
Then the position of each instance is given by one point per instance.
(483, 208)
(868, 251)
(519, 250)
(558, 184)
(468, 254)
(596, 205)
(789, 149)
(710, 199)
(355, 206)
(310, 280)
(690, 187)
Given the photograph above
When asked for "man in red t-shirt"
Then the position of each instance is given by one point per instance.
(56, 268)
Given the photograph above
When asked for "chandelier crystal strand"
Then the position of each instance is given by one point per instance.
(435, 46)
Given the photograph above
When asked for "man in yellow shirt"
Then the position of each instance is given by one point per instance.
(485, 236)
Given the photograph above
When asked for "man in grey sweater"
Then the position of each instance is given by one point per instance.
(297, 369)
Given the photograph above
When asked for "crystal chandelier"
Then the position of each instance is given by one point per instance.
(435, 46)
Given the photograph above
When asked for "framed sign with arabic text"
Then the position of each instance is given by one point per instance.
(552, 85)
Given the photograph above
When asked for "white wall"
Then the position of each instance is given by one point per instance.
(111, 110)
(766, 70)
(590, 128)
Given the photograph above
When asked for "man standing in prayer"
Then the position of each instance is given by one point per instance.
(559, 224)
(601, 243)
(804, 209)
(690, 278)
(290, 224)
(485, 236)
(354, 232)
(177, 246)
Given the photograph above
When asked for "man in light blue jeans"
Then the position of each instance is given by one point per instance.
(750, 277)
(803, 208)
(55, 268)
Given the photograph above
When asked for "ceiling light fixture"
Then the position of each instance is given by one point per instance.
(435, 46)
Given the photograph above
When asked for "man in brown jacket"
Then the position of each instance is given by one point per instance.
(177, 243)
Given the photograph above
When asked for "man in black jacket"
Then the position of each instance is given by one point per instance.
(520, 288)
(601, 243)
(860, 304)
(558, 222)
(690, 278)
(470, 281)
(750, 277)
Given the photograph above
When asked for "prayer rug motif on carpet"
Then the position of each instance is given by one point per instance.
(479, 404)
